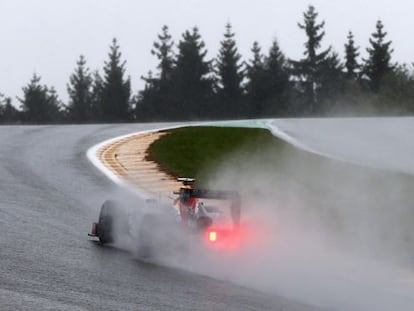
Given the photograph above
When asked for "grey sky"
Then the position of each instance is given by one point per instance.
(47, 36)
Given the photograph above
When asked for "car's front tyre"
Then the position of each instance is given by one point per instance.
(106, 223)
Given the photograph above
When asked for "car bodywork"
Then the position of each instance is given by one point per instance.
(218, 230)
(211, 216)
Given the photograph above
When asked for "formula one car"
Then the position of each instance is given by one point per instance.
(209, 216)
(212, 213)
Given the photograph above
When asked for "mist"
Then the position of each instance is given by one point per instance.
(324, 232)
(334, 235)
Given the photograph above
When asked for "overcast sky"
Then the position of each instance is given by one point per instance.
(47, 36)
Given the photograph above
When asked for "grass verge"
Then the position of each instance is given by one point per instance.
(189, 151)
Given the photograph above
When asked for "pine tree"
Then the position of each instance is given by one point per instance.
(147, 104)
(378, 63)
(55, 105)
(163, 50)
(192, 77)
(39, 103)
(256, 83)
(277, 80)
(308, 69)
(8, 113)
(351, 55)
(116, 92)
(396, 95)
(80, 93)
(332, 83)
(230, 75)
(97, 88)
(156, 101)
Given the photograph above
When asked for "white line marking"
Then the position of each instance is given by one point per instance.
(92, 155)
(264, 123)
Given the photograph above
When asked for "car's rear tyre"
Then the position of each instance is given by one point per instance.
(106, 224)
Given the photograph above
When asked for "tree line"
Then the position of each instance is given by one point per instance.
(186, 85)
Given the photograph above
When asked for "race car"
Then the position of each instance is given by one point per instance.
(209, 217)
(213, 213)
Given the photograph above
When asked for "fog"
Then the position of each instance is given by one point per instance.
(48, 36)
(327, 233)
(338, 235)
(335, 236)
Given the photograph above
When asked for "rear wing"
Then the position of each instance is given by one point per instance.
(233, 196)
(186, 181)
(212, 194)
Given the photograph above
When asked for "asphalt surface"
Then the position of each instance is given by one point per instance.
(49, 195)
(382, 143)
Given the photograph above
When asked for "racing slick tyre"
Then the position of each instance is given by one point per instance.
(108, 218)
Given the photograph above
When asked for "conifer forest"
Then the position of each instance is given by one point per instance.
(187, 85)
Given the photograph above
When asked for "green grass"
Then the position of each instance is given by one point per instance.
(201, 151)
(189, 151)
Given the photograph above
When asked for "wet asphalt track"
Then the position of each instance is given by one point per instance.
(49, 195)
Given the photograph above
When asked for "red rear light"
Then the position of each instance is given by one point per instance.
(227, 238)
(212, 236)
